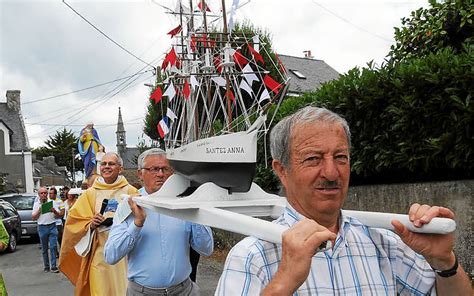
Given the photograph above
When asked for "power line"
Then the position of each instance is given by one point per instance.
(352, 24)
(105, 35)
(83, 89)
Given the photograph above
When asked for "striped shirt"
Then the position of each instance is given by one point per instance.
(364, 261)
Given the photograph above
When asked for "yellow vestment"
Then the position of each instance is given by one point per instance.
(91, 275)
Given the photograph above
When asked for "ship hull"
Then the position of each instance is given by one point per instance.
(228, 161)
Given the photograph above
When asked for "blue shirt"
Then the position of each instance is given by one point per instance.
(158, 252)
(364, 261)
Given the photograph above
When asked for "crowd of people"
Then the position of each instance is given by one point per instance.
(142, 252)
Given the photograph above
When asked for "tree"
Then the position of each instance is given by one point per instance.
(61, 145)
(445, 24)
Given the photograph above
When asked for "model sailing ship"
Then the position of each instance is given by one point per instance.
(218, 88)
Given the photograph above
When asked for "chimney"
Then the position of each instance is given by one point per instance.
(13, 100)
(307, 54)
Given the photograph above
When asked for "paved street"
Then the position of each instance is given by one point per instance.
(24, 276)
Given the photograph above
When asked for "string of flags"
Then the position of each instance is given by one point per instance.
(171, 62)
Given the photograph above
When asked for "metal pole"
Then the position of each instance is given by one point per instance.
(73, 169)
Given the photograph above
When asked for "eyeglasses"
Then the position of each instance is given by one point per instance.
(155, 170)
(110, 163)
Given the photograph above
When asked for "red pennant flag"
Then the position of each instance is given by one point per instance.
(175, 31)
(205, 4)
(271, 84)
(255, 54)
(203, 40)
(240, 59)
(230, 95)
(186, 90)
(156, 95)
(169, 59)
(217, 63)
(212, 43)
(193, 42)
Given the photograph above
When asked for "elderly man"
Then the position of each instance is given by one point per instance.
(47, 230)
(310, 151)
(87, 220)
(157, 246)
(58, 206)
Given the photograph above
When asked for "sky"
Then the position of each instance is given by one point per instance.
(55, 58)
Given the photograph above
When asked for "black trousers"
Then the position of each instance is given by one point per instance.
(194, 259)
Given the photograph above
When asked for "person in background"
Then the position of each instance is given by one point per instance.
(72, 196)
(157, 246)
(58, 210)
(47, 231)
(310, 151)
(4, 238)
(63, 193)
(90, 274)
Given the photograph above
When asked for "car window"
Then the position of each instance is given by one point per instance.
(10, 212)
(21, 202)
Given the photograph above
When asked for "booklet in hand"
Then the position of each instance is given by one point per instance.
(46, 207)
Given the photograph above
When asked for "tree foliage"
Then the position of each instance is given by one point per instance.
(61, 145)
(444, 24)
(411, 119)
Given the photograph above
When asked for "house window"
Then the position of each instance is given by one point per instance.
(298, 74)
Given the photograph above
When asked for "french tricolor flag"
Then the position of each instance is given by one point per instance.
(162, 127)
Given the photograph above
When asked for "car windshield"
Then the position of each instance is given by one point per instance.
(21, 202)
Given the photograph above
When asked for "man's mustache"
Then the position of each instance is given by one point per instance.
(326, 184)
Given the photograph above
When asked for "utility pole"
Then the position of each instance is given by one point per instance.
(73, 168)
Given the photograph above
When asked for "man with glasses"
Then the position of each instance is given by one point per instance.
(157, 246)
(90, 219)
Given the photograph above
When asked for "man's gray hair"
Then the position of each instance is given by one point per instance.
(149, 152)
(119, 159)
(280, 136)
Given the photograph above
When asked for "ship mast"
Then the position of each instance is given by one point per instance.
(229, 101)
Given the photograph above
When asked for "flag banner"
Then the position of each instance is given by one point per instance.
(245, 86)
(239, 59)
(163, 128)
(186, 90)
(282, 67)
(170, 114)
(156, 95)
(175, 31)
(205, 5)
(194, 81)
(193, 42)
(169, 59)
(219, 80)
(233, 8)
(230, 95)
(170, 92)
(271, 84)
(249, 74)
(264, 96)
(255, 54)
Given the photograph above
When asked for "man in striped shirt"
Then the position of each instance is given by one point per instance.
(310, 151)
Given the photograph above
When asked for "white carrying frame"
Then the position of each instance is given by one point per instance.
(213, 206)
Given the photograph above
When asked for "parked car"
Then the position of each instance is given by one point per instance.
(12, 221)
(23, 203)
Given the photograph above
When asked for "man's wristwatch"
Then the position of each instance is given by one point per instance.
(448, 272)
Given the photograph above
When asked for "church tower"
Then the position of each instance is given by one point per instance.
(121, 139)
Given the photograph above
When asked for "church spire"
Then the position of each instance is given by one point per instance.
(121, 139)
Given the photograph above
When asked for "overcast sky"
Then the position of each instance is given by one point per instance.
(47, 50)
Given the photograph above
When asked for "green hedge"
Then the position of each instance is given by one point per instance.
(410, 122)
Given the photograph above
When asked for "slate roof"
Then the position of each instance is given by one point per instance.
(315, 71)
(14, 121)
(129, 158)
